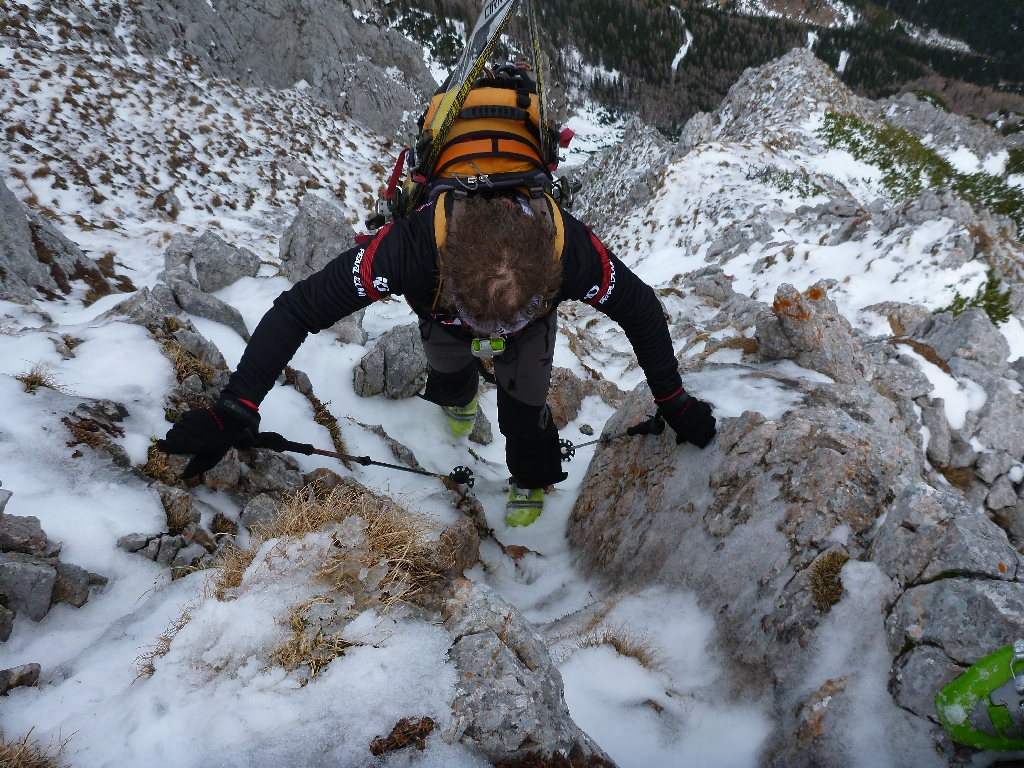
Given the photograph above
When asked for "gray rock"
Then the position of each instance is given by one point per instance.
(226, 475)
(967, 618)
(261, 510)
(169, 547)
(992, 465)
(167, 204)
(930, 534)
(481, 433)
(71, 586)
(142, 308)
(273, 472)
(565, 396)
(317, 234)
(25, 675)
(188, 556)
(808, 328)
(365, 70)
(26, 583)
(24, 534)
(970, 336)
(178, 253)
(178, 506)
(698, 130)
(1001, 422)
(64, 260)
(200, 347)
(939, 441)
(5, 496)
(20, 271)
(200, 304)
(151, 550)
(1001, 494)
(6, 624)
(509, 700)
(219, 264)
(898, 380)
(919, 675)
(133, 542)
(349, 330)
(396, 366)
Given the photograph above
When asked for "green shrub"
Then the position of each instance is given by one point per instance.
(996, 303)
(908, 166)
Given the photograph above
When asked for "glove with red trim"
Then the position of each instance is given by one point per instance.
(690, 418)
(209, 433)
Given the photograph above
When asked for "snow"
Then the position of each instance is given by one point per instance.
(682, 51)
(964, 160)
(215, 693)
(844, 57)
(960, 395)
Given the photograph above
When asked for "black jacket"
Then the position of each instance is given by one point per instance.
(402, 260)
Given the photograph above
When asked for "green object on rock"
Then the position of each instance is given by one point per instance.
(984, 707)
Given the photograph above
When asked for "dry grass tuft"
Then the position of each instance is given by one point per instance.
(40, 375)
(172, 324)
(321, 415)
(156, 465)
(826, 585)
(186, 364)
(407, 732)
(306, 646)
(144, 664)
(958, 477)
(627, 641)
(401, 539)
(26, 753)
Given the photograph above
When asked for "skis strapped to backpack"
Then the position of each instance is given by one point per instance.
(483, 130)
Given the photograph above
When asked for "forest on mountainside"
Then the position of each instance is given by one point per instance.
(639, 40)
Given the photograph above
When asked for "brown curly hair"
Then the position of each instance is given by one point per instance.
(496, 258)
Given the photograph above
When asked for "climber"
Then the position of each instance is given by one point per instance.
(504, 263)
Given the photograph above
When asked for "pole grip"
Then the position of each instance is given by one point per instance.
(653, 426)
(275, 442)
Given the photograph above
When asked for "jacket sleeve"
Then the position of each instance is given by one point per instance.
(400, 257)
(594, 275)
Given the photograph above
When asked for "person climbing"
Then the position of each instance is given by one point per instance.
(483, 268)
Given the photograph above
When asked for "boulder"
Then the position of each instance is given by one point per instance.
(25, 675)
(317, 234)
(969, 336)
(188, 556)
(396, 366)
(272, 472)
(20, 271)
(71, 586)
(226, 474)
(261, 510)
(807, 327)
(939, 440)
(509, 703)
(169, 548)
(26, 583)
(196, 302)
(967, 618)
(481, 434)
(919, 675)
(24, 534)
(142, 308)
(219, 264)
(930, 534)
(349, 330)
(565, 396)
(133, 542)
(200, 347)
(900, 380)
(1001, 421)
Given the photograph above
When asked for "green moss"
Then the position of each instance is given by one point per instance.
(1015, 164)
(799, 182)
(931, 98)
(908, 166)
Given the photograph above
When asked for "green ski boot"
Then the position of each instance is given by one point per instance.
(524, 504)
(461, 419)
(984, 707)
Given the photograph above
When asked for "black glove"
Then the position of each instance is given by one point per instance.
(209, 433)
(690, 418)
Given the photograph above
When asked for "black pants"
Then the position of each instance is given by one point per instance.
(523, 373)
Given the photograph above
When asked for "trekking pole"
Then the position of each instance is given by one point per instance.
(652, 426)
(275, 442)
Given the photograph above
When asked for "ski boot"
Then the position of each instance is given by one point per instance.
(524, 504)
(461, 419)
(984, 707)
